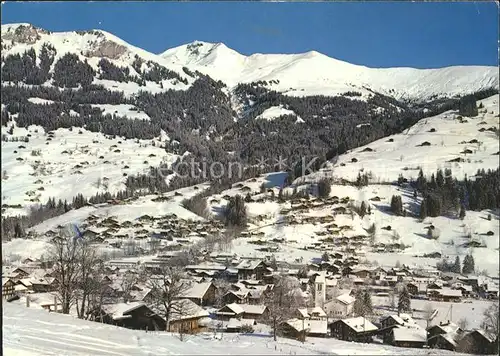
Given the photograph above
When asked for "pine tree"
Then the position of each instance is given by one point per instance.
(404, 301)
(462, 212)
(456, 266)
(362, 210)
(423, 209)
(367, 303)
(421, 181)
(324, 188)
(359, 306)
(439, 178)
(468, 265)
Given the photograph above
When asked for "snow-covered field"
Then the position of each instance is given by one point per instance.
(72, 162)
(277, 111)
(28, 331)
(122, 110)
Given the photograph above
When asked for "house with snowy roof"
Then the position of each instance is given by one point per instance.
(133, 315)
(444, 335)
(299, 328)
(202, 294)
(478, 342)
(251, 269)
(188, 317)
(340, 307)
(358, 329)
(402, 330)
(242, 311)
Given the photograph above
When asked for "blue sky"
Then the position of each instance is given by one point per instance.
(422, 35)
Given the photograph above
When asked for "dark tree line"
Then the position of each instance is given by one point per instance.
(22, 68)
(71, 72)
(235, 213)
(444, 194)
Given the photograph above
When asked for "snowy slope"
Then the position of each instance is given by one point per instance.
(27, 331)
(448, 136)
(71, 162)
(277, 111)
(313, 73)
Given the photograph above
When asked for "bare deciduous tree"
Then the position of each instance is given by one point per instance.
(490, 319)
(283, 300)
(90, 277)
(167, 285)
(64, 253)
(463, 323)
(428, 313)
(127, 282)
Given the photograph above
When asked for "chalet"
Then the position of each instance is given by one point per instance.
(340, 307)
(24, 285)
(465, 289)
(357, 329)
(188, 317)
(248, 269)
(19, 273)
(478, 342)
(42, 285)
(236, 297)
(299, 328)
(414, 337)
(201, 294)
(445, 295)
(134, 315)
(8, 288)
(444, 336)
(362, 272)
(238, 325)
(243, 311)
(416, 288)
(314, 313)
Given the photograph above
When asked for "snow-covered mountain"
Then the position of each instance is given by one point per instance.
(303, 74)
(314, 73)
(90, 46)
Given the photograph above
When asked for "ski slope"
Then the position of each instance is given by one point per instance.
(28, 331)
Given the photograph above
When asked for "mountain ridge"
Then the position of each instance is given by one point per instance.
(303, 74)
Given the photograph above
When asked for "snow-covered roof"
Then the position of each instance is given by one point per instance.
(197, 290)
(409, 334)
(345, 299)
(450, 292)
(360, 324)
(207, 267)
(246, 308)
(238, 323)
(311, 326)
(186, 309)
(309, 312)
(248, 264)
(119, 310)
